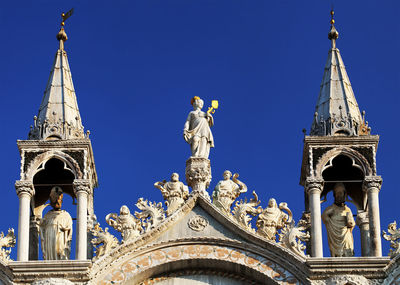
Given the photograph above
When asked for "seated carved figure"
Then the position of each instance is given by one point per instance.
(227, 191)
(56, 229)
(273, 219)
(339, 223)
(174, 192)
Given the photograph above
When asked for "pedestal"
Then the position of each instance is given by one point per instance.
(198, 175)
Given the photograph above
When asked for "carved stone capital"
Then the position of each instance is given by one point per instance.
(198, 174)
(24, 187)
(372, 183)
(362, 219)
(314, 185)
(82, 185)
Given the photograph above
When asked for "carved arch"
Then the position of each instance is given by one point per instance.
(359, 160)
(160, 261)
(44, 157)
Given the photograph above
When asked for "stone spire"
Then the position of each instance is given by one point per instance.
(58, 116)
(337, 112)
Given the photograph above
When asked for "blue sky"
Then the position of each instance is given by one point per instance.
(136, 64)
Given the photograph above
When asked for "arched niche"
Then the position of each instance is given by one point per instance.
(345, 169)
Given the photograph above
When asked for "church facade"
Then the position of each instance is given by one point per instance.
(201, 235)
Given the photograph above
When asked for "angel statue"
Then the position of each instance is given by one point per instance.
(196, 131)
(273, 219)
(227, 191)
(125, 223)
(174, 192)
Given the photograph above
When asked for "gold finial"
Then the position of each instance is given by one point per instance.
(62, 36)
(333, 34)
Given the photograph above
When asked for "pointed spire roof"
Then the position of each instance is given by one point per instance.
(58, 116)
(337, 112)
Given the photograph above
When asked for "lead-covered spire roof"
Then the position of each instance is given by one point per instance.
(58, 116)
(337, 112)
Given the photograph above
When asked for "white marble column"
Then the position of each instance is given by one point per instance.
(25, 192)
(372, 184)
(362, 222)
(314, 189)
(82, 190)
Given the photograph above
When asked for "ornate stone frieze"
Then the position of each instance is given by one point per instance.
(151, 214)
(104, 241)
(198, 223)
(174, 192)
(348, 280)
(51, 127)
(244, 211)
(198, 175)
(6, 241)
(393, 235)
(22, 186)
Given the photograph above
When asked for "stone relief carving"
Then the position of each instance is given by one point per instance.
(227, 190)
(56, 229)
(198, 175)
(6, 241)
(244, 211)
(53, 281)
(104, 240)
(393, 236)
(196, 131)
(348, 280)
(151, 215)
(197, 223)
(273, 219)
(292, 236)
(174, 192)
(339, 223)
(125, 223)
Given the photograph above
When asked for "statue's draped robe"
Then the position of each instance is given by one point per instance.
(199, 126)
(56, 235)
(176, 193)
(339, 229)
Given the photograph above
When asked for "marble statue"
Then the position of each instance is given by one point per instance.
(174, 192)
(339, 223)
(56, 229)
(393, 236)
(227, 191)
(7, 240)
(104, 240)
(125, 223)
(151, 215)
(292, 237)
(244, 211)
(273, 219)
(197, 130)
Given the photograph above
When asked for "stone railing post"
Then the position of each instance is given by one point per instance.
(372, 185)
(362, 222)
(198, 175)
(82, 190)
(25, 191)
(314, 189)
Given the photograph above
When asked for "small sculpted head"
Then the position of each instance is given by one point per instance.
(339, 193)
(227, 175)
(272, 203)
(197, 103)
(175, 177)
(124, 211)
(56, 197)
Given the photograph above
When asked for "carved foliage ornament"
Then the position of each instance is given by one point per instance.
(197, 223)
(104, 241)
(393, 236)
(6, 241)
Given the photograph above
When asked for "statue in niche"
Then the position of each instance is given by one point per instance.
(227, 191)
(339, 223)
(196, 131)
(273, 219)
(56, 229)
(174, 192)
(125, 223)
